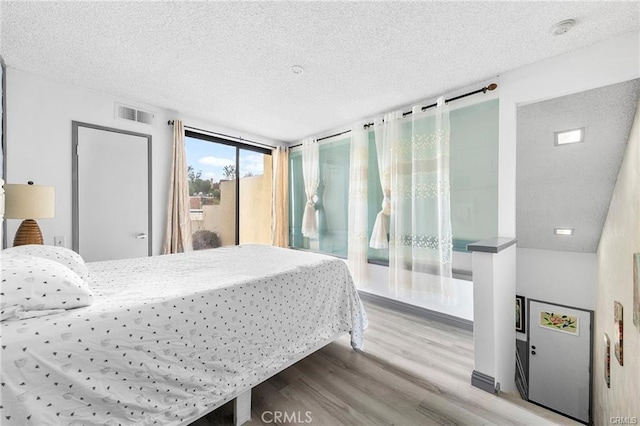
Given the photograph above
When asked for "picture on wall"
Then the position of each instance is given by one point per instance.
(560, 322)
(618, 326)
(607, 360)
(520, 314)
(636, 290)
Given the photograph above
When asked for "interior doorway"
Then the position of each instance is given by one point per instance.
(111, 193)
(560, 358)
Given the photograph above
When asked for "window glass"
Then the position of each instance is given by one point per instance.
(474, 173)
(297, 200)
(332, 199)
(474, 185)
(374, 199)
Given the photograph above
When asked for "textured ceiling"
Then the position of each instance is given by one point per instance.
(228, 63)
(571, 185)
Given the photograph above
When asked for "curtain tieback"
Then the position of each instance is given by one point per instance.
(386, 206)
(379, 233)
(309, 223)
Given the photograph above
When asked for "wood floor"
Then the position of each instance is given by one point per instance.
(413, 372)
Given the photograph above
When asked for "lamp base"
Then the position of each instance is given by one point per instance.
(28, 233)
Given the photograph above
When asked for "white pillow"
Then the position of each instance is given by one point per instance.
(32, 283)
(68, 258)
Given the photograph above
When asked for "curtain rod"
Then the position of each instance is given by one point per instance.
(238, 138)
(490, 87)
(332, 136)
(323, 138)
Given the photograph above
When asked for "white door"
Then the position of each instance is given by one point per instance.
(560, 358)
(111, 219)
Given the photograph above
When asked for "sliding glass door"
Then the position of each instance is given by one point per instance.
(255, 197)
(230, 192)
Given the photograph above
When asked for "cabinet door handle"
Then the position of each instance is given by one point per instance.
(141, 236)
(533, 352)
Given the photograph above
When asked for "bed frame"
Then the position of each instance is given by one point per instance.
(242, 399)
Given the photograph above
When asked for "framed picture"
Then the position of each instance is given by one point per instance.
(636, 289)
(520, 314)
(607, 360)
(618, 327)
(561, 322)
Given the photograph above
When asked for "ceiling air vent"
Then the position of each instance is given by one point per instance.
(128, 113)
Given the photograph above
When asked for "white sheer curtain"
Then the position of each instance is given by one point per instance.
(280, 200)
(177, 236)
(387, 132)
(310, 174)
(421, 241)
(358, 208)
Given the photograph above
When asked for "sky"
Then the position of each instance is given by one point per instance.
(211, 157)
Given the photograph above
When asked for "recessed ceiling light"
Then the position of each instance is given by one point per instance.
(563, 231)
(297, 69)
(562, 27)
(569, 136)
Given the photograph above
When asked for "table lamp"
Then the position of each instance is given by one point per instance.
(29, 202)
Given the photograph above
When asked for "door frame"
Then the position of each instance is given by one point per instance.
(591, 332)
(75, 205)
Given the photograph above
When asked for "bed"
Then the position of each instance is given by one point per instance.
(167, 339)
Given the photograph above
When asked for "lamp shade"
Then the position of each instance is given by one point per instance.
(29, 201)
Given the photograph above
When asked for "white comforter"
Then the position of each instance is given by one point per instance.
(168, 337)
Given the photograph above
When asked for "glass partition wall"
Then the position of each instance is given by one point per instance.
(474, 185)
(332, 199)
(229, 192)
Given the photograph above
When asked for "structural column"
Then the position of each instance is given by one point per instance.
(494, 293)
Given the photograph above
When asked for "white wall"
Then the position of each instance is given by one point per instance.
(39, 114)
(461, 305)
(1, 152)
(609, 62)
(620, 239)
(569, 277)
(558, 277)
(1, 117)
(566, 278)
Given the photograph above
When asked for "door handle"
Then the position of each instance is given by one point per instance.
(141, 236)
